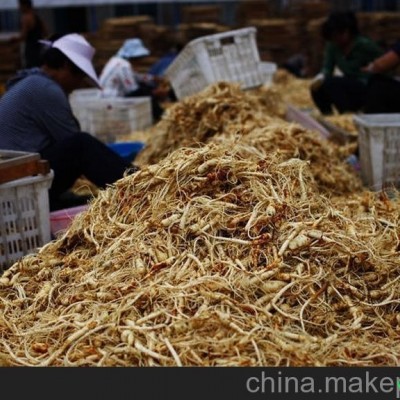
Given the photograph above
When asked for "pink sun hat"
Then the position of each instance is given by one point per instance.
(80, 52)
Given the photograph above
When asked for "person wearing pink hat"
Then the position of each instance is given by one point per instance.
(35, 116)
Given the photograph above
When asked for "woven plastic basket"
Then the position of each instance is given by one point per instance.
(268, 70)
(60, 220)
(24, 217)
(108, 118)
(229, 56)
(379, 146)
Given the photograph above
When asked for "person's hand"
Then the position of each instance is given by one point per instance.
(13, 39)
(317, 81)
(368, 68)
(384, 63)
(158, 79)
(160, 92)
(145, 78)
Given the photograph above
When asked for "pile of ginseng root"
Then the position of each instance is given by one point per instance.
(223, 110)
(216, 256)
(293, 90)
(220, 108)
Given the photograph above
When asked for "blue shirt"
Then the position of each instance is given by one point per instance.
(34, 113)
(162, 64)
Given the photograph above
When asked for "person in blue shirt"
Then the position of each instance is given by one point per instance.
(160, 66)
(35, 116)
(173, 47)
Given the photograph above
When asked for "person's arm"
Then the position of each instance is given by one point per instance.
(384, 63)
(328, 64)
(159, 92)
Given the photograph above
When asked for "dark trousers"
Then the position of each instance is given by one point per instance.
(343, 93)
(82, 154)
(383, 96)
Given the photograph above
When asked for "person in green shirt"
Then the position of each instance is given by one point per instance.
(383, 95)
(346, 51)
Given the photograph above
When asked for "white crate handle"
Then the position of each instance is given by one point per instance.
(224, 35)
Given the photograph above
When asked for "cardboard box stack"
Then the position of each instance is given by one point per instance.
(114, 31)
(203, 13)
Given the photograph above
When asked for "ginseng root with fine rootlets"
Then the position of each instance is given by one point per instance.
(219, 255)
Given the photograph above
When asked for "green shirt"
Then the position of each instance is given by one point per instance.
(364, 51)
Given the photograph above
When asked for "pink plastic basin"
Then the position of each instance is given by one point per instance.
(60, 220)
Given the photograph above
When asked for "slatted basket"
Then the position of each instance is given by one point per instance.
(107, 118)
(24, 217)
(379, 147)
(229, 56)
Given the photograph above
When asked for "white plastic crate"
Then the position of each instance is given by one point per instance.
(229, 56)
(79, 100)
(24, 217)
(107, 118)
(82, 96)
(85, 94)
(379, 147)
(268, 70)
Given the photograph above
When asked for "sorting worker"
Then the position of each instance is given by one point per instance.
(32, 30)
(384, 87)
(347, 50)
(35, 116)
(119, 77)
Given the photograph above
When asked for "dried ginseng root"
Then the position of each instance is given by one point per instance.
(220, 255)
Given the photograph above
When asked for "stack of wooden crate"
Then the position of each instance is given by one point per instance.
(384, 27)
(277, 38)
(112, 34)
(247, 10)
(309, 10)
(203, 13)
(123, 27)
(189, 32)
(314, 51)
(114, 31)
